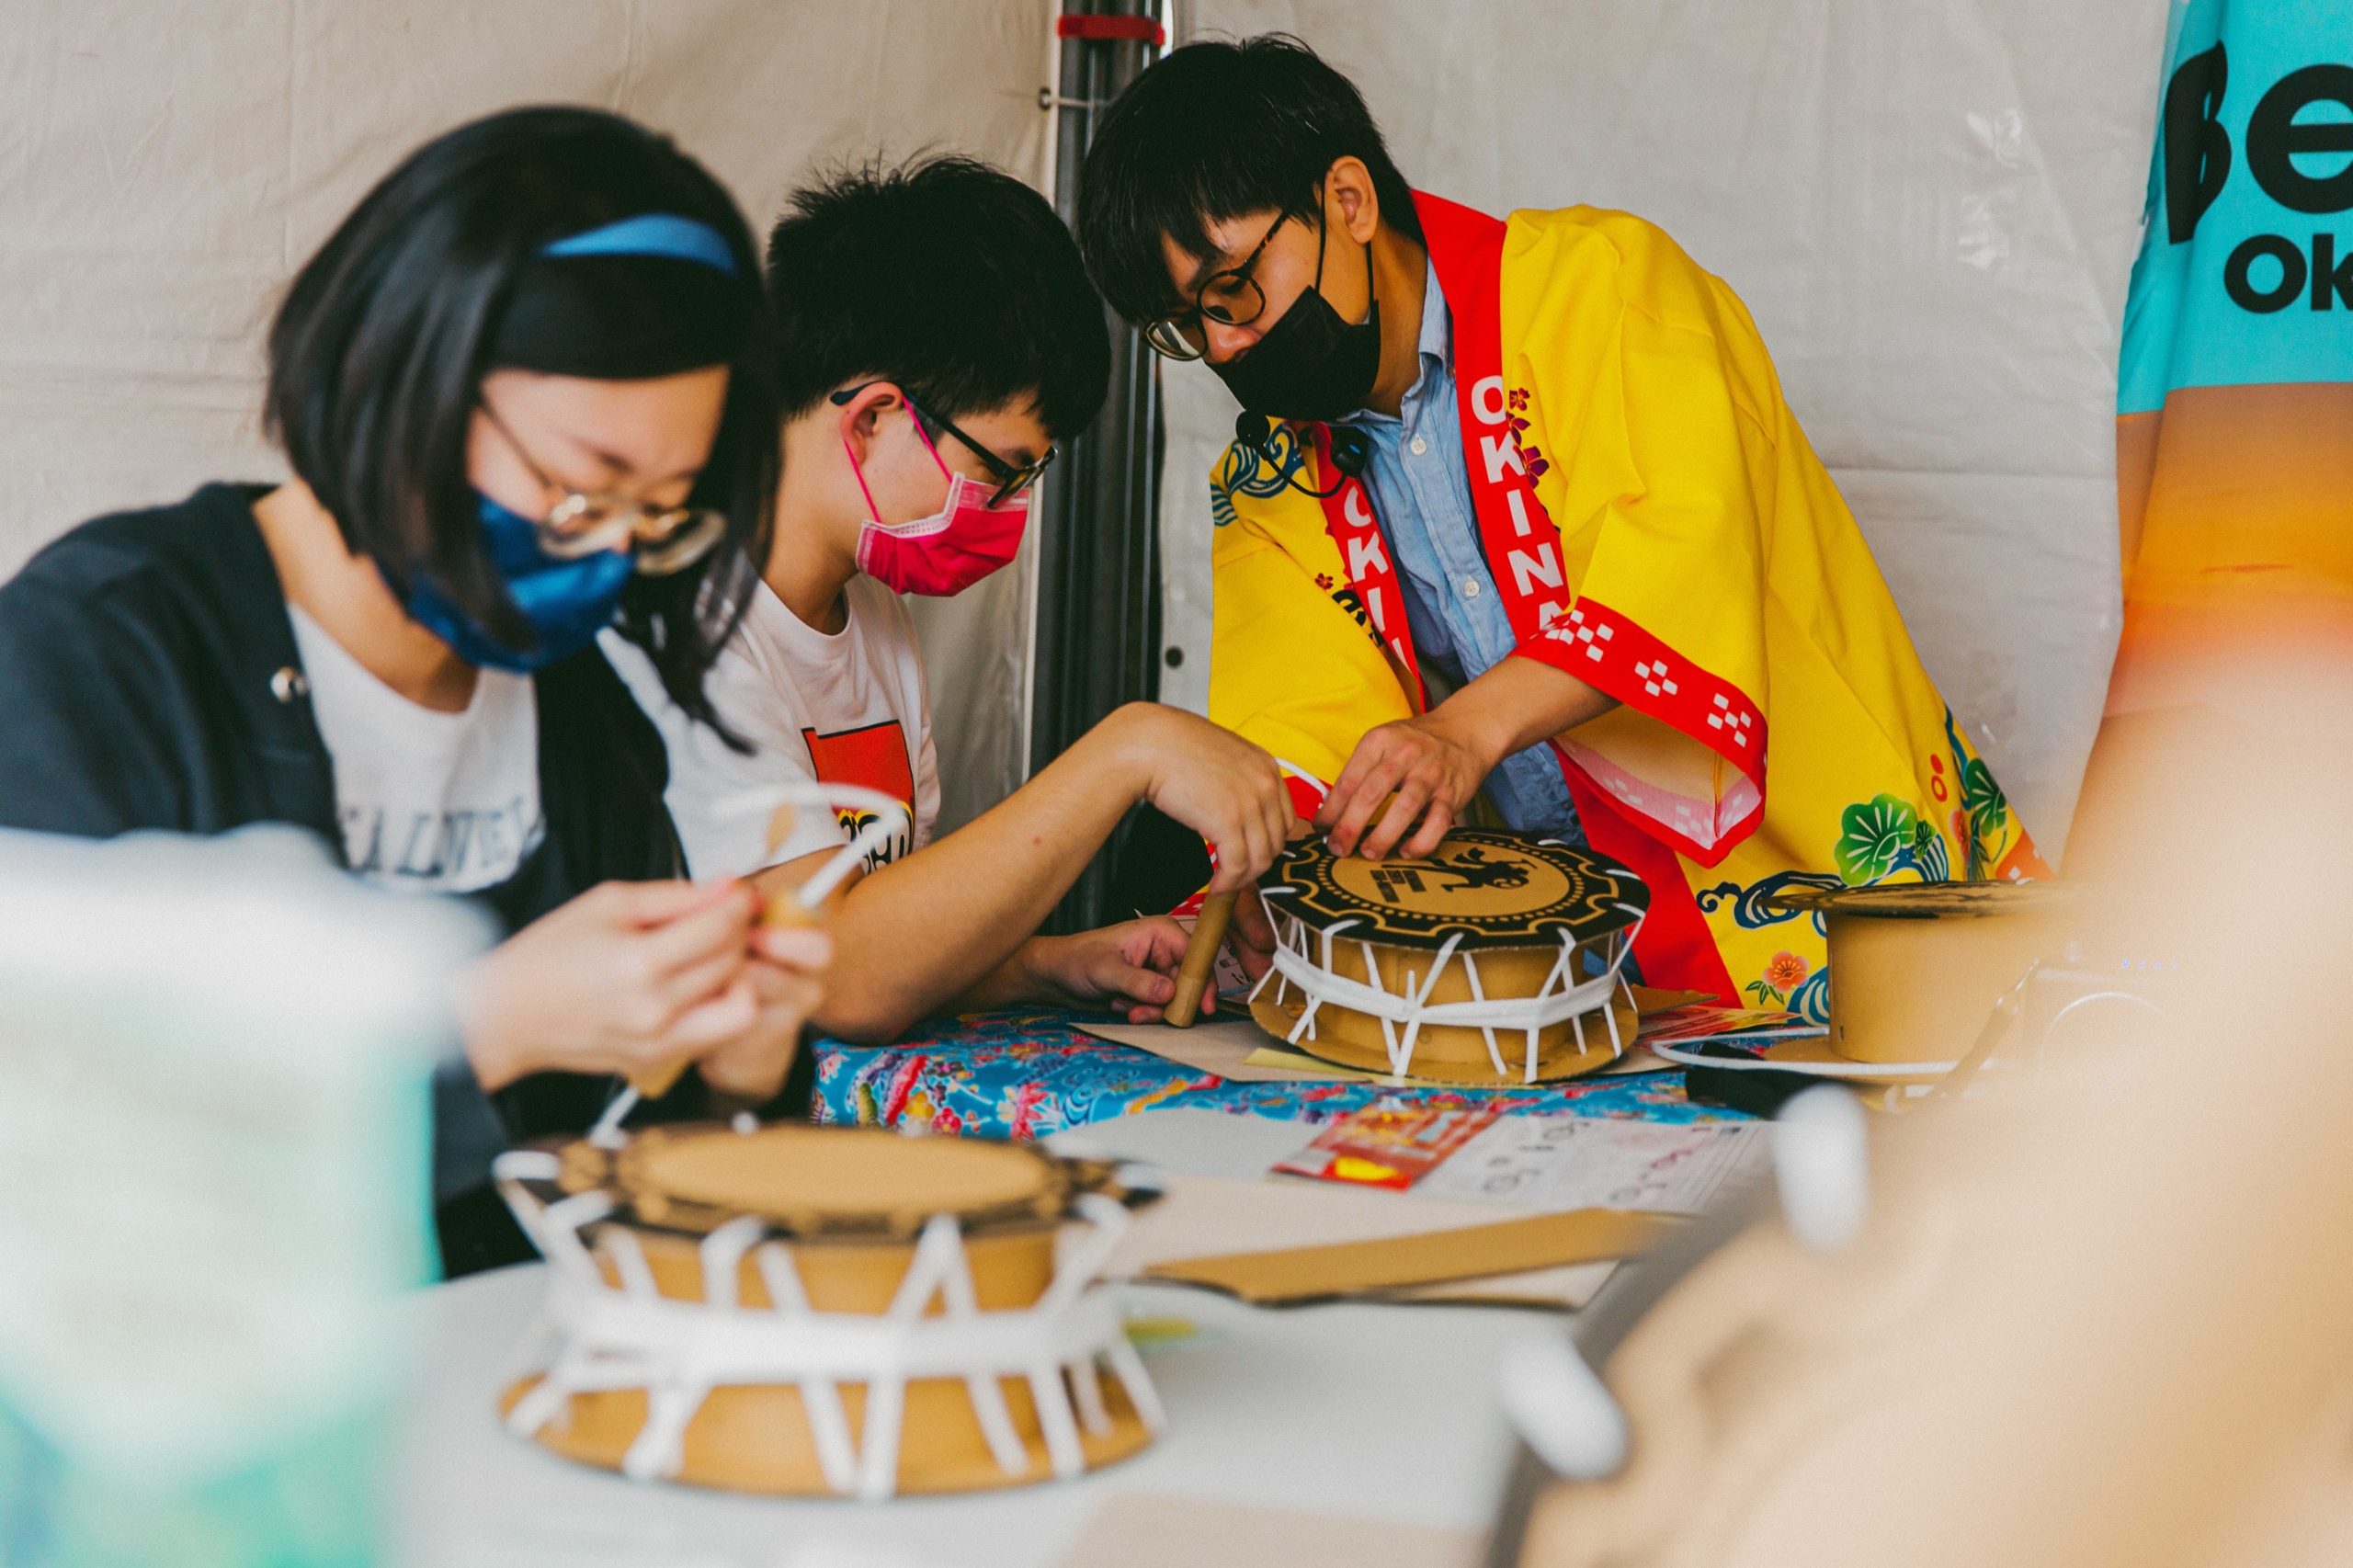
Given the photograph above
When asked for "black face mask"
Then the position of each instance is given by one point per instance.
(1311, 365)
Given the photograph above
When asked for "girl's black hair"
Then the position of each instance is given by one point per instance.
(1213, 131)
(378, 352)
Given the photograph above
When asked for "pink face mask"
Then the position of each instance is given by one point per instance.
(948, 552)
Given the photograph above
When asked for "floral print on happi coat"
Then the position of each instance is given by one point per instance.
(1879, 840)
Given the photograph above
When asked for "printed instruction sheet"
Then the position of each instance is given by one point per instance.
(1585, 1162)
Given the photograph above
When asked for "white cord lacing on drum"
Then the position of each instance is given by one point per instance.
(1559, 999)
(628, 1336)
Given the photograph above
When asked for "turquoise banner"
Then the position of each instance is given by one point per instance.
(2246, 272)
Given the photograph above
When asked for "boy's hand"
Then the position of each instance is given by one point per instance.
(1213, 781)
(1250, 938)
(1131, 966)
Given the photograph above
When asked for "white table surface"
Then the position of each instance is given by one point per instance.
(1384, 1413)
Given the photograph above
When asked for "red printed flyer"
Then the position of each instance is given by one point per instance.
(1386, 1145)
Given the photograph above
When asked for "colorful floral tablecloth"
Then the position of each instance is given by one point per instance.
(1029, 1072)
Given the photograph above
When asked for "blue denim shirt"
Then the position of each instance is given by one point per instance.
(1421, 492)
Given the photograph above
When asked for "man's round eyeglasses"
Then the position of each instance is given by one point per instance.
(1231, 297)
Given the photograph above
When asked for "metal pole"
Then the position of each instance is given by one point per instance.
(1096, 621)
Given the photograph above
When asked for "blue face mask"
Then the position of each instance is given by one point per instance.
(567, 602)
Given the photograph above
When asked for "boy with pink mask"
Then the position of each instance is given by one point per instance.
(936, 339)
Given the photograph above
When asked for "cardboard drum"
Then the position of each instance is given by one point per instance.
(809, 1311)
(1917, 968)
(1495, 959)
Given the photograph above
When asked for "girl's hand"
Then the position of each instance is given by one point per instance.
(788, 975)
(630, 978)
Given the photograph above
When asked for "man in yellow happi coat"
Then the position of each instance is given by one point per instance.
(1517, 521)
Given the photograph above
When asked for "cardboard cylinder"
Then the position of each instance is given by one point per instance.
(1447, 1054)
(1917, 968)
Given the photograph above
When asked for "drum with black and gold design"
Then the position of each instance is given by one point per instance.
(1494, 960)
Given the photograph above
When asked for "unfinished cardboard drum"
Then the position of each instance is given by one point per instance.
(1917, 968)
(1497, 958)
(809, 1311)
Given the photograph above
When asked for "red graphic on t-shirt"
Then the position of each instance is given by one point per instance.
(873, 756)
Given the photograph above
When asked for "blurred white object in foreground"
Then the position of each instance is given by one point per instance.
(214, 1173)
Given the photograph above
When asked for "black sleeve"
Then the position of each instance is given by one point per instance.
(96, 717)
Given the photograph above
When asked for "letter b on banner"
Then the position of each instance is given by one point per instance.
(2197, 150)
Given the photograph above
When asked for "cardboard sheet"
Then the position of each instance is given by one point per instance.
(1134, 1529)
(1217, 1201)
(1564, 1288)
(1283, 1056)
(1207, 1217)
(1294, 1276)
(1223, 1045)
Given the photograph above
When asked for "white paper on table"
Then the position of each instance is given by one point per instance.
(1586, 1162)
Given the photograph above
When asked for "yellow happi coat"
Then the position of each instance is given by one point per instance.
(1685, 553)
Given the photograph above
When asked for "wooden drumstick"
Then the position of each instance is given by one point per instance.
(661, 1081)
(1193, 976)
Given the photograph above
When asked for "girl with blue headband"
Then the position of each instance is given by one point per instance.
(525, 394)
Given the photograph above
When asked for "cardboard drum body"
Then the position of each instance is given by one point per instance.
(1915, 968)
(1494, 960)
(809, 1311)
(1445, 1053)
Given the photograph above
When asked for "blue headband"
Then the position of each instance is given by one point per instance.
(652, 233)
(648, 295)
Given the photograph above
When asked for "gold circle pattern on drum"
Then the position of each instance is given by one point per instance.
(1424, 967)
(934, 1323)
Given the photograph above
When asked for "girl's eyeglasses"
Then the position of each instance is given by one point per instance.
(660, 540)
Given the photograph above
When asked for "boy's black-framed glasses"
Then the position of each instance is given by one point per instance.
(1012, 479)
(1231, 297)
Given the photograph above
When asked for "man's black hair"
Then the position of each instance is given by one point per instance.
(377, 354)
(944, 276)
(1213, 131)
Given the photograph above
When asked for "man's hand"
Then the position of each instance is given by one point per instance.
(1432, 768)
(1436, 763)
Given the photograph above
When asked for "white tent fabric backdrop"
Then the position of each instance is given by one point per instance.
(1931, 208)
(165, 164)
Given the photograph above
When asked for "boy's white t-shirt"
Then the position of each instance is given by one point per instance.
(850, 707)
